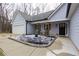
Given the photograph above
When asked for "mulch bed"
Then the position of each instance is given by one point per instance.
(34, 44)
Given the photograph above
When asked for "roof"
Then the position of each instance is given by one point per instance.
(41, 16)
(47, 21)
(34, 17)
(45, 15)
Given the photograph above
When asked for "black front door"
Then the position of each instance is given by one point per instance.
(62, 29)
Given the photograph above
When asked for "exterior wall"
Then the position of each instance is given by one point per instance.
(55, 28)
(30, 28)
(42, 27)
(74, 28)
(60, 14)
(19, 25)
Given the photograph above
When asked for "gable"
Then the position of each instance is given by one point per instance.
(60, 13)
(18, 19)
(19, 14)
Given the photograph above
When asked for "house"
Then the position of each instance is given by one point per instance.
(21, 23)
(63, 21)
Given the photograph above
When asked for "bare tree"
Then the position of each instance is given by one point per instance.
(37, 9)
(30, 8)
(40, 8)
(8, 18)
(44, 5)
(2, 17)
(25, 8)
(5, 9)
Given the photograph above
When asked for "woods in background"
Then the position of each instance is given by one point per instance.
(5, 19)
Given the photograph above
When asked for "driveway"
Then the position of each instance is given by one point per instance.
(61, 47)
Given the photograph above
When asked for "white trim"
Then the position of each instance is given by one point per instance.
(45, 21)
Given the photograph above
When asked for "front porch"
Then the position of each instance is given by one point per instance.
(60, 28)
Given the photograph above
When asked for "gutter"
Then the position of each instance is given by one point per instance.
(26, 27)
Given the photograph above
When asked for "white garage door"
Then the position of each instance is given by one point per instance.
(19, 29)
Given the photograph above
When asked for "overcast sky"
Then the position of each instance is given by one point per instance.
(50, 6)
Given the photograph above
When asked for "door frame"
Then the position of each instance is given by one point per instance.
(63, 28)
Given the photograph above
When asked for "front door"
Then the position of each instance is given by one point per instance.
(62, 29)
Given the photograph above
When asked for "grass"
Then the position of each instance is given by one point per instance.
(1, 52)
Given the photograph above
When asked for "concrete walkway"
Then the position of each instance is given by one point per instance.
(61, 47)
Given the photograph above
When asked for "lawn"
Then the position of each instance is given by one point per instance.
(1, 52)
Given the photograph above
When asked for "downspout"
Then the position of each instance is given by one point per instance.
(26, 27)
(67, 14)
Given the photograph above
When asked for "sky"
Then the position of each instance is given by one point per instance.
(50, 6)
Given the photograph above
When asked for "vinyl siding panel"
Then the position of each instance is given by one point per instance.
(55, 28)
(60, 14)
(30, 28)
(74, 28)
(19, 25)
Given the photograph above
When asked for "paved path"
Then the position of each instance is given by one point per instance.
(62, 46)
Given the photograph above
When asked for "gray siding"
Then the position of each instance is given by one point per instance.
(30, 28)
(19, 25)
(55, 28)
(60, 14)
(74, 28)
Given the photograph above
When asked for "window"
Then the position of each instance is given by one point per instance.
(47, 26)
